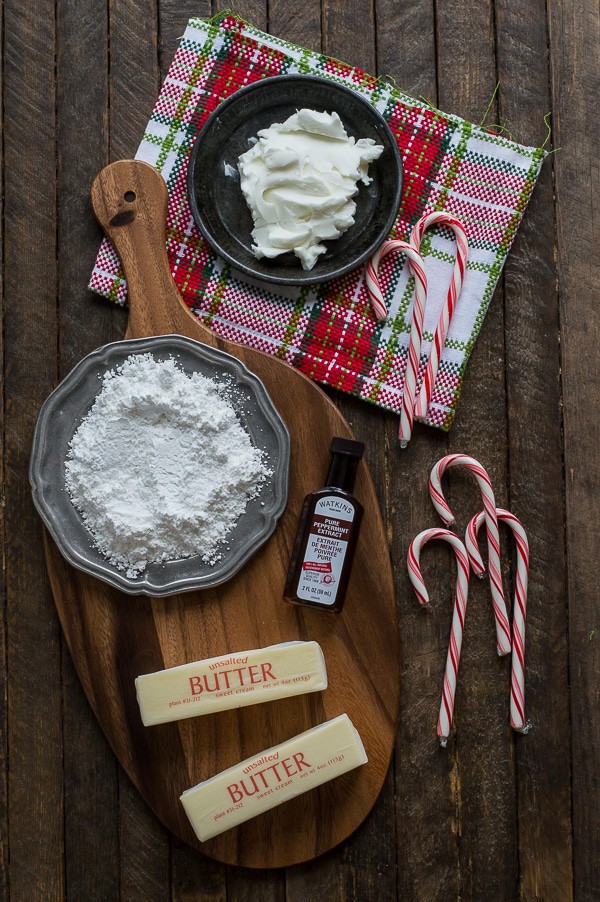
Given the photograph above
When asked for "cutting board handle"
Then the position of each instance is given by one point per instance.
(129, 199)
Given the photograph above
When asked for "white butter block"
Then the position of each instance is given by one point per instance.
(274, 776)
(231, 681)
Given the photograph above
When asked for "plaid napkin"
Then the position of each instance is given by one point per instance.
(329, 331)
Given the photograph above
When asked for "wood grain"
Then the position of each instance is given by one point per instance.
(256, 886)
(112, 639)
(144, 852)
(4, 849)
(65, 794)
(574, 40)
(485, 795)
(300, 23)
(425, 785)
(533, 400)
(194, 876)
(34, 690)
(91, 772)
(406, 46)
(134, 72)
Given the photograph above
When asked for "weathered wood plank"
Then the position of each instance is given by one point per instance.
(255, 886)
(90, 792)
(133, 87)
(134, 72)
(535, 463)
(425, 801)
(574, 40)
(193, 876)
(406, 46)
(485, 795)
(348, 33)
(144, 849)
(90, 798)
(427, 785)
(368, 859)
(299, 23)
(35, 810)
(82, 135)
(4, 854)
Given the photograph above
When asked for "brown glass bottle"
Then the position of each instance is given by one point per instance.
(327, 535)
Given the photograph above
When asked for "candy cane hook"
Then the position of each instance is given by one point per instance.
(517, 688)
(458, 617)
(372, 272)
(416, 332)
(439, 339)
(414, 406)
(503, 639)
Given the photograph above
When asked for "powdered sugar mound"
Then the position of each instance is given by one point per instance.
(161, 468)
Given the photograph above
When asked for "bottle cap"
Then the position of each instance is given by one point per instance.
(347, 446)
(344, 461)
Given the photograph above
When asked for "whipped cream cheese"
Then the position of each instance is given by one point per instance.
(299, 179)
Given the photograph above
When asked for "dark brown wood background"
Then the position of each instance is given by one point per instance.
(495, 817)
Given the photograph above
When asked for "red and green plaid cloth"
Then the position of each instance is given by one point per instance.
(329, 331)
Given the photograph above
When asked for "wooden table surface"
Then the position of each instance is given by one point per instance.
(494, 817)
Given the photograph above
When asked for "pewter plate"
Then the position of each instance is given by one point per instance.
(218, 205)
(60, 417)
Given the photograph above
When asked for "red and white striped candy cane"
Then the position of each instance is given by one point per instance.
(372, 274)
(416, 332)
(462, 251)
(503, 639)
(463, 573)
(517, 689)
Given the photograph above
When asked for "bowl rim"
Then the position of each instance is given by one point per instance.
(304, 276)
(102, 569)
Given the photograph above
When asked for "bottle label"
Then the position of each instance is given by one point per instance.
(326, 550)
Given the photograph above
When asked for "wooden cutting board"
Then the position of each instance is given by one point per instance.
(114, 637)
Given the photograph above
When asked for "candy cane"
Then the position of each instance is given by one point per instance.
(517, 688)
(489, 503)
(372, 274)
(416, 332)
(458, 617)
(416, 407)
(462, 250)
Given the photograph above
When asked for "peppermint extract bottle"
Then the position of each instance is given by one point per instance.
(327, 534)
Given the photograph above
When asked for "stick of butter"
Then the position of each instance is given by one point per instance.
(274, 776)
(232, 681)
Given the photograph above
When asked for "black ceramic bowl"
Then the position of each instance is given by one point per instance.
(216, 199)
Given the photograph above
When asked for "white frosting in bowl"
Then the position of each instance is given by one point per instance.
(299, 179)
